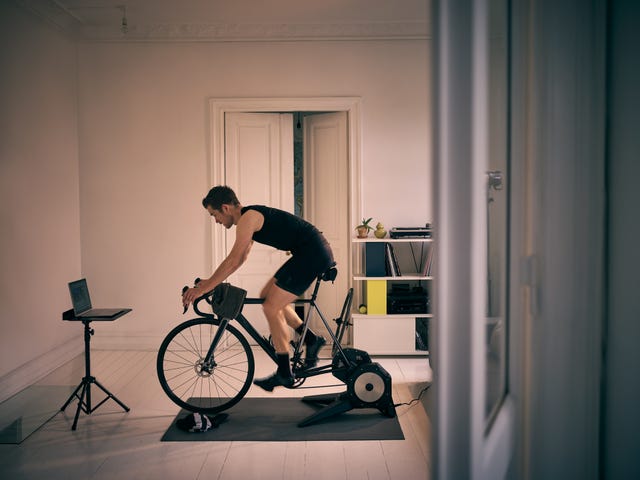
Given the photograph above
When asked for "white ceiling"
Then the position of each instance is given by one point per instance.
(225, 20)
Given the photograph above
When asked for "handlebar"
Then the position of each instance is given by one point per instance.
(225, 300)
(197, 300)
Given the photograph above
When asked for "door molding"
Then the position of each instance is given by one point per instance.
(218, 107)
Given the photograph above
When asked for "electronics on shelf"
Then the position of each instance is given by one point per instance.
(411, 232)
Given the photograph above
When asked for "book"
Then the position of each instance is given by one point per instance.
(375, 265)
(393, 269)
(388, 263)
(428, 264)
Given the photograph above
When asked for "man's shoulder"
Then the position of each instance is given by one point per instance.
(255, 208)
(251, 218)
(267, 211)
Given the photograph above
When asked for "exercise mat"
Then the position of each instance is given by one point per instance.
(276, 419)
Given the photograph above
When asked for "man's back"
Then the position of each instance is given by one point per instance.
(282, 230)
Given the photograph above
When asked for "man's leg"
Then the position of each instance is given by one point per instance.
(276, 299)
(292, 318)
(312, 341)
(272, 294)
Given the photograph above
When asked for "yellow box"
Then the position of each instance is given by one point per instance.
(376, 295)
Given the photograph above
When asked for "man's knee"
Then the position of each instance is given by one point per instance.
(271, 311)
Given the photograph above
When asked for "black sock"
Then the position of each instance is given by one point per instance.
(284, 364)
(309, 338)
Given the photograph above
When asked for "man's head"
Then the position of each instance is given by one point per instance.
(221, 202)
(218, 196)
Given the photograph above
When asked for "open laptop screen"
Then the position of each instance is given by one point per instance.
(80, 296)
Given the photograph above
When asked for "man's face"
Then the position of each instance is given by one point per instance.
(222, 216)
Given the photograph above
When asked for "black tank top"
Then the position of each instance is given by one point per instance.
(283, 230)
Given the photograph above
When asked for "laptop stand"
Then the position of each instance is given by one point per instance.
(84, 398)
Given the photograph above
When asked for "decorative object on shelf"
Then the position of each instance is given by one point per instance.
(380, 232)
(363, 228)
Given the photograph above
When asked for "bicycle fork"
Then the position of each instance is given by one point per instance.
(209, 362)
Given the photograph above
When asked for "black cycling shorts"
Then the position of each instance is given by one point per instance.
(299, 272)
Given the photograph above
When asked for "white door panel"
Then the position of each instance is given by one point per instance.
(259, 168)
(326, 202)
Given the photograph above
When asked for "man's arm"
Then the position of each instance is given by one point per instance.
(249, 223)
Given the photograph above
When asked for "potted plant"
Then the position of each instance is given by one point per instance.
(364, 228)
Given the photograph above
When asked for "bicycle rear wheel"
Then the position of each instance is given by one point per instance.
(194, 388)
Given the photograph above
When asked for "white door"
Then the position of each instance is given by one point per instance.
(477, 302)
(326, 201)
(259, 168)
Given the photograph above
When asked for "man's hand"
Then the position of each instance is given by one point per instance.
(190, 294)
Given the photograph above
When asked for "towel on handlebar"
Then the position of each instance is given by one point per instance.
(227, 301)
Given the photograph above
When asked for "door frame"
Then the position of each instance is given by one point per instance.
(218, 107)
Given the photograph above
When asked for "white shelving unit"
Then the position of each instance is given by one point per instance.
(386, 334)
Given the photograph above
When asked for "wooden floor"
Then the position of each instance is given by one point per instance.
(111, 444)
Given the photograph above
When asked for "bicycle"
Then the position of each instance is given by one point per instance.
(206, 364)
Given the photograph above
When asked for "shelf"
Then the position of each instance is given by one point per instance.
(362, 316)
(400, 353)
(386, 334)
(410, 276)
(391, 240)
(377, 331)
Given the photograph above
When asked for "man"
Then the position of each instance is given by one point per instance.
(310, 257)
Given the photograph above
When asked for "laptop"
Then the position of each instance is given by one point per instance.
(82, 303)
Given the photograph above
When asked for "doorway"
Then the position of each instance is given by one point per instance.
(347, 108)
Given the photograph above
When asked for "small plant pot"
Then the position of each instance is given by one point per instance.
(363, 232)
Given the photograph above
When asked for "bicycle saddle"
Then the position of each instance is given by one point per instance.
(331, 274)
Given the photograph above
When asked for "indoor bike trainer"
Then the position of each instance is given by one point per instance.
(368, 386)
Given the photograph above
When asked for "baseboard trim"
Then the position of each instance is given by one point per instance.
(38, 368)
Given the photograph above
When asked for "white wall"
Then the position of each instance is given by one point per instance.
(39, 199)
(144, 139)
(104, 158)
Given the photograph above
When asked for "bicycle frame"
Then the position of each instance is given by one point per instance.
(264, 343)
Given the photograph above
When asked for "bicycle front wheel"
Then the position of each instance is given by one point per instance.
(194, 386)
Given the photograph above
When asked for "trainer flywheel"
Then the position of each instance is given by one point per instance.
(369, 387)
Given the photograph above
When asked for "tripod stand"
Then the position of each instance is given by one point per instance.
(84, 398)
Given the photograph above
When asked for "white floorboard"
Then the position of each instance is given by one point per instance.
(113, 444)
